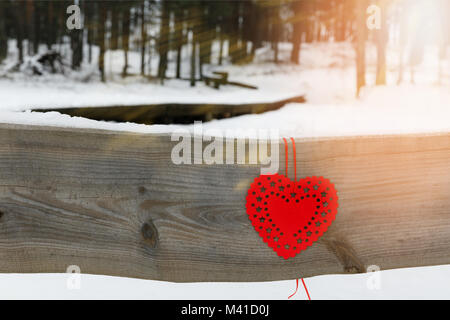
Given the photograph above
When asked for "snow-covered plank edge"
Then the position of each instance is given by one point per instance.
(172, 112)
(113, 203)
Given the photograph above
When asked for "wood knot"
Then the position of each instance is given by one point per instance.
(142, 190)
(345, 253)
(150, 234)
(1, 214)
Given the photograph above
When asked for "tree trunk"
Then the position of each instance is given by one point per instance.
(3, 36)
(178, 39)
(206, 35)
(403, 40)
(258, 26)
(114, 44)
(233, 44)
(19, 29)
(202, 39)
(381, 42)
(150, 58)
(221, 46)
(275, 48)
(193, 58)
(76, 43)
(50, 26)
(193, 27)
(76, 38)
(143, 38)
(297, 32)
(361, 35)
(101, 40)
(28, 29)
(163, 45)
(36, 26)
(276, 30)
(89, 26)
(126, 16)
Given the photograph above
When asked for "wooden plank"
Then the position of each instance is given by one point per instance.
(113, 203)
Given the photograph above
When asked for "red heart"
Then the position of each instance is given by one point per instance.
(288, 215)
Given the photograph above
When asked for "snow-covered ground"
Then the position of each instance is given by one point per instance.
(401, 110)
(327, 78)
(412, 283)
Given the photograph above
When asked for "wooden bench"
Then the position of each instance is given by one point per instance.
(216, 81)
(223, 80)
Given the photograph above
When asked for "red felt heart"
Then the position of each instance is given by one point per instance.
(289, 215)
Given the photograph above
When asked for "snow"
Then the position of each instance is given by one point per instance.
(384, 110)
(410, 283)
(326, 76)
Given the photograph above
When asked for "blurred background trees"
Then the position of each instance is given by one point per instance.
(157, 28)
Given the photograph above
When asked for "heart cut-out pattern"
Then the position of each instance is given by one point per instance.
(288, 215)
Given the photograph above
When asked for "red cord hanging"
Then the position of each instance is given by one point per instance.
(296, 289)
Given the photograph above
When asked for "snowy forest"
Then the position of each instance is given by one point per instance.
(171, 31)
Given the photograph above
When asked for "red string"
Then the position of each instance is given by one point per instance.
(286, 150)
(295, 160)
(306, 289)
(296, 288)
(295, 179)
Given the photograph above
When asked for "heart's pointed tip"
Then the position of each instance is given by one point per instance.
(283, 255)
(287, 256)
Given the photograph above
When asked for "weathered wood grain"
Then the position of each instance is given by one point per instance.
(113, 203)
